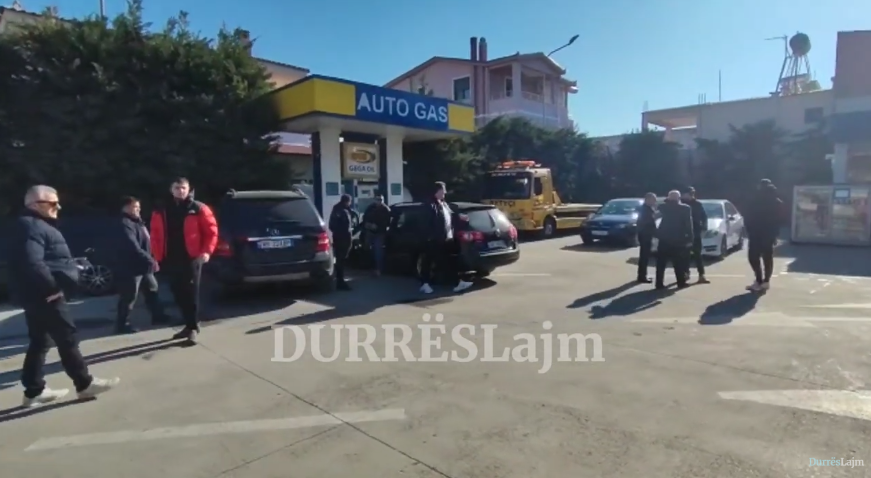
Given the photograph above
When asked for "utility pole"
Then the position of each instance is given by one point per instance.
(102, 8)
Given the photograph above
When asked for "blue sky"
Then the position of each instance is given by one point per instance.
(662, 52)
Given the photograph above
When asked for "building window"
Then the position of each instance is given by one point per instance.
(813, 115)
(509, 87)
(463, 89)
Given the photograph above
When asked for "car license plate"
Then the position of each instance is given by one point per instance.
(600, 233)
(496, 244)
(275, 244)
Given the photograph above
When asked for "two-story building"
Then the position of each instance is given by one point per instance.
(528, 85)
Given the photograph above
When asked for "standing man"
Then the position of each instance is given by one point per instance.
(376, 221)
(646, 231)
(135, 268)
(675, 234)
(43, 272)
(183, 236)
(700, 225)
(342, 227)
(763, 223)
(439, 232)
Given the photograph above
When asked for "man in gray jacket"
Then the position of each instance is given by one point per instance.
(675, 235)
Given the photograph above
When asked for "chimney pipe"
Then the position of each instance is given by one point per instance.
(482, 50)
(473, 47)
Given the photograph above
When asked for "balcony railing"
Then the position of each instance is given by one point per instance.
(549, 122)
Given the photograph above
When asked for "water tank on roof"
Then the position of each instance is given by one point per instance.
(800, 44)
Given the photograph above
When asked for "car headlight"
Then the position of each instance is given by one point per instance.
(710, 234)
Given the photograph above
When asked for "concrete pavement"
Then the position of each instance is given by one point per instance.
(685, 389)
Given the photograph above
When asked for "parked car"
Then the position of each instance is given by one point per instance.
(615, 222)
(725, 229)
(268, 237)
(486, 239)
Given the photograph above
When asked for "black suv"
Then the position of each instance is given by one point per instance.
(270, 236)
(485, 237)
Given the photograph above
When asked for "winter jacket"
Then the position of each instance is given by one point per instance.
(700, 217)
(376, 219)
(40, 262)
(676, 226)
(341, 225)
(436, 226)
(646, 220)
(133, 252)
(764, 216)
(200, 230)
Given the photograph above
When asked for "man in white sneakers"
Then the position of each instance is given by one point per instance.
(438, 228)
(42, 271)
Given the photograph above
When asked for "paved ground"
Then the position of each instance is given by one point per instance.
(705, 382)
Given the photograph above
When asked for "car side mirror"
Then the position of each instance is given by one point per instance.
(732, 217)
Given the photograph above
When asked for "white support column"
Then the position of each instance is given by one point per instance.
(394, 168)
(331, 169)
(839, 164)
(516, 78)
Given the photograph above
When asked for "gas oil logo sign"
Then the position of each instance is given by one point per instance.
(360, 161)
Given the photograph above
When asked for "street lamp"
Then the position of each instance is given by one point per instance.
(571, 40)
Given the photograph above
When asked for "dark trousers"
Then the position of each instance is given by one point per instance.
(184, 282)
(435, 254)
(644, 248)
(341, 249)
(128, 292)
(760, 253)
(678, 256)
(696, 254)
(51, 321)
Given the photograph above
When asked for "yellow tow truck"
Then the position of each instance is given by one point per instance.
(525, 192)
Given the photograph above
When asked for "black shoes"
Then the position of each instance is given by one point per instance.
(644, 280)
(188, 334)
(125, 328)
(343, 286)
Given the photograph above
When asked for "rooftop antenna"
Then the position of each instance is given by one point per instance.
(16, 5)
(795, 72)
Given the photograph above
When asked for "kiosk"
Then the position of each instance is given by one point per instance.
(357, 132)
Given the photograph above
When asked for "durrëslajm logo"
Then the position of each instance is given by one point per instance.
(436, 344)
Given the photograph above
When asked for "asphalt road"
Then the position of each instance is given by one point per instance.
(705, 382)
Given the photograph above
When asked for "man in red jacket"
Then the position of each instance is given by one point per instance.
(183, 236)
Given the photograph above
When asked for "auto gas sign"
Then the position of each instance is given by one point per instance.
(360, 161)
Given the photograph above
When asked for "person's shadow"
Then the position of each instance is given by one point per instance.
(727, 310)
(630, 303)
(602, 295)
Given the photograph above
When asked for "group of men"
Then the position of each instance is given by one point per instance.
(682, 223)
(183, 235)
(437, 233)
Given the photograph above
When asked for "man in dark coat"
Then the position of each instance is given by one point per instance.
(700, 225)
(135, 268)
(342, 227)
(675, 235)
(376, 221)
(439, 221)
(763, 221)
(646, 230)
(43, 273)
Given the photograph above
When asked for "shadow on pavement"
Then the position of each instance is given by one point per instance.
(707, 260)
(12, 349)
(581, 247)
(369, 295)
(17, 413)
(727, 310)
(144, 350)
(630, 303)
(602, 295)
(831, 260)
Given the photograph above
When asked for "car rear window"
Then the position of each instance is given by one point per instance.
(252, 212)
(486, 219)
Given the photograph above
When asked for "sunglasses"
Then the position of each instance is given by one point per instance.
(50, 203)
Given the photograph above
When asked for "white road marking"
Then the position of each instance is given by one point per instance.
(845, 403)
(725, 275)
(207, 429)
(520, 274)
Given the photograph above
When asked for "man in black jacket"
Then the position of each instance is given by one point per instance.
(439, 238)
(376, 221)
(763, 221)
(675, 235)
(135, 268)
(342, 227)
(646, 231)
(42, 273)
(700, 225)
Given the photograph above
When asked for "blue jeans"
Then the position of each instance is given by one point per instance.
(376, 244)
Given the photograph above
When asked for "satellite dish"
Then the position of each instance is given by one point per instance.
(800, 44)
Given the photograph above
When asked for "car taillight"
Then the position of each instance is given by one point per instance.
(223, 248)
(512, 232)
(323, 242)
(471, 236)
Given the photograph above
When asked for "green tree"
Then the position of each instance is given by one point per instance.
(102, 108)
(646, 162)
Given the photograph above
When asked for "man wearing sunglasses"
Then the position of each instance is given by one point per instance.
(43, 271)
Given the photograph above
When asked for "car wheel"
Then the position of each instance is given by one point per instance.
(483, 274)
(586, 238)
(724, 248)
(549, 228)
(97, 280)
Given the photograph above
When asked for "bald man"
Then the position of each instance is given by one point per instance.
(675, 234)
(43, 272)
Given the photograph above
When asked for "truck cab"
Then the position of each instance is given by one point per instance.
(525, 192)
